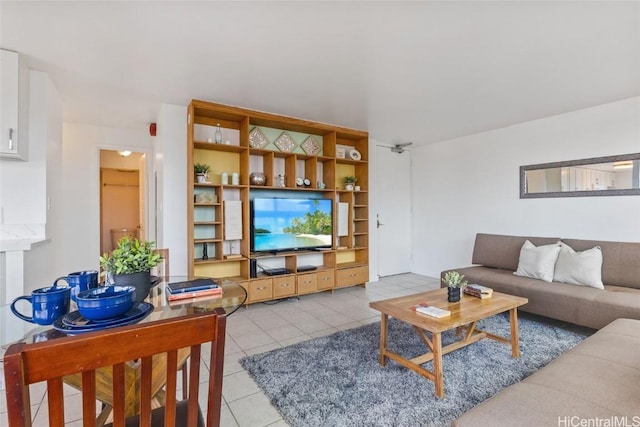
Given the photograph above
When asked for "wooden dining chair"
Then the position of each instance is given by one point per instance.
(50, 361)
(162, 270)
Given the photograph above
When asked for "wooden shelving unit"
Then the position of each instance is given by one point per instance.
(345, 264)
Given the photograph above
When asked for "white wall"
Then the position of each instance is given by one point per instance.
(471, 184)
(171, 175)
(79, 225)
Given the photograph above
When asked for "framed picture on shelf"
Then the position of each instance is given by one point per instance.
(341, 153)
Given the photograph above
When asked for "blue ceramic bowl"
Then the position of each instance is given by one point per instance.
(105, 302)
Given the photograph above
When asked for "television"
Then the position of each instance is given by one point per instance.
(289, 224)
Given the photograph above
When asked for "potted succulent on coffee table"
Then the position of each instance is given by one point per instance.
(130, 264)
(455, 284)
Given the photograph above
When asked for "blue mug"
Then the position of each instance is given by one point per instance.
(79, 281)
(47, 304)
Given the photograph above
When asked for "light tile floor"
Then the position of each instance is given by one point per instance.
(263, 327)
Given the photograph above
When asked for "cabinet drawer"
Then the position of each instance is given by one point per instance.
(326, 279)
(284, 286)
(352, 276)
(307, 283)
(260, 289)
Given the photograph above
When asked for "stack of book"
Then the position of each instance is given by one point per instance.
(478, 291)
(196, 288)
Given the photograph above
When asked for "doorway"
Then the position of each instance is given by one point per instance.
(393, 219)
(122, 197)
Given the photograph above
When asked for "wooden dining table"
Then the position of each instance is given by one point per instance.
(233, 297)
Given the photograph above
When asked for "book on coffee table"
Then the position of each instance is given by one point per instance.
(430, 310)
(478, 291)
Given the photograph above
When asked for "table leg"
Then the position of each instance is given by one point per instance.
(515, 342)
(437, 364)
(383, 339)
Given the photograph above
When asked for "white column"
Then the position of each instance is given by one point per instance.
(14, 274)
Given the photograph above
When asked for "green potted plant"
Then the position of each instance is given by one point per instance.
(455, 282)
(349, 182)
(130, 264)
(202, 172)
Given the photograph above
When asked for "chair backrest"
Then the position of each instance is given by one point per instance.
(52, 360)
(163, 268)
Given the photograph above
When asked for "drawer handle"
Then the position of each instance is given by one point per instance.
(284, 285)
(261, 288)
(325, 278)
(307, 281)
(353, 275)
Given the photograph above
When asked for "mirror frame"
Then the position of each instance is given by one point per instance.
(581, 162)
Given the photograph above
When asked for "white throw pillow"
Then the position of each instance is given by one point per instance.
(538, 262)
(579, 268)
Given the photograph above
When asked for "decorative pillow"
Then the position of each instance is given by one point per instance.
(579, 268)
(538, 262)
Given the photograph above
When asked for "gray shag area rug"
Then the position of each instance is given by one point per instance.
(337, 381)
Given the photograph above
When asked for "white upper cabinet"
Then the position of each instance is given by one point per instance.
(14, 106)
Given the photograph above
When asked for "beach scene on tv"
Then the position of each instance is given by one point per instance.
(287, 224)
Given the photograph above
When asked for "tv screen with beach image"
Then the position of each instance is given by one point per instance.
(281, 224)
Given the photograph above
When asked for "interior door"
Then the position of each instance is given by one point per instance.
(119, 205)
(393, 219)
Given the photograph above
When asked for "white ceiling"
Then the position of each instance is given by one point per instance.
(405, 71)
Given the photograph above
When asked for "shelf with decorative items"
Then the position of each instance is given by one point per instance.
(353, 254)
(280, 157)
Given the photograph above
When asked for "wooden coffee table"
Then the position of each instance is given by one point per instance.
(464, 315)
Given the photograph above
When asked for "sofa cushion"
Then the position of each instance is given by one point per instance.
(538, 262)
(582, 268)
(595, 380)
(562, 301)
(526, 404)
(498, 251)
(615, 302)
(620, 261)
(617, 342)
(599, 378)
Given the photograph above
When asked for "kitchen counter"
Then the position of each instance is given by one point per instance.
(15, 239)
(7, 245)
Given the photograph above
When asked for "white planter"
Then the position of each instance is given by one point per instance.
(201, 177)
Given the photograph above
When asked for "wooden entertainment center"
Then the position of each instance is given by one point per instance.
(297, 158)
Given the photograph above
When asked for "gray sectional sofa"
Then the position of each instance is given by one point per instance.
(598, 381)
(495, 258)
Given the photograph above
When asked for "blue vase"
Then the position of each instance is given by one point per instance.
(453, 294)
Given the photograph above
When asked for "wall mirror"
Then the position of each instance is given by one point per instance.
(598, 176)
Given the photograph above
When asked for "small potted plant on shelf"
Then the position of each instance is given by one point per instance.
(455, 283)
(130, 265)
(202, 172)
(349, 182)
